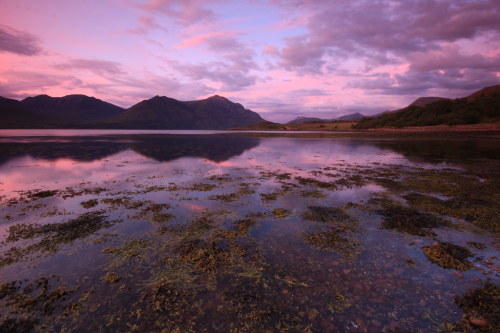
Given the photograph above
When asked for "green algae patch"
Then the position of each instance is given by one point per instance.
(448, 255)
(481, 307)
(279, 213)
(89, 203)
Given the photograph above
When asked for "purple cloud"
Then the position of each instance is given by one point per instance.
(99, 67)
(382, 31)
(18, 42)
(184, 12)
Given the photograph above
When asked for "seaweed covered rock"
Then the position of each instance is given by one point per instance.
(448, 255)
(482, 307)
(409, 220)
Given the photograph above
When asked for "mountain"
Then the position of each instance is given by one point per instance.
(302, 120)
(352, 116)
(72, 109)
(481, 106)
(80, 111)
(218, 112)
(162, 112)
(347, 117)
(14, 114)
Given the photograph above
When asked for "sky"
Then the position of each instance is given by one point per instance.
(281, 58)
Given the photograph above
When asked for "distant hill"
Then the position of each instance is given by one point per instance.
(72, 108)
(349, 117)
(80, 111)
(482, 106)
(163, 112)
(303, 120)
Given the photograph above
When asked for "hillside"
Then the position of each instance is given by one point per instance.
(72, 109)
(482, 106)
(310, 126)
(14, 114)
(162, 112)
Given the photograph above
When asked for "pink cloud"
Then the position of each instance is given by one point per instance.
(200, 39)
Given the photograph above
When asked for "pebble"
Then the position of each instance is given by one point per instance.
(458, 274)
(478, 321)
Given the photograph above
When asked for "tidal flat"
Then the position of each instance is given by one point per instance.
(233, 232)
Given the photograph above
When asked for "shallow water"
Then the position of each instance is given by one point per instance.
(210, 231)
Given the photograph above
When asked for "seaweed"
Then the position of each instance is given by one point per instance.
(53, 236)
(339, 231)
(280, 213)
(42, 194)
(28, 303)
(89, 203)
(408, 220)
(316, 183)
(326, 214)
(202, 187)
(479, 211)
(482, 307)
(477, 245)
(448, 255)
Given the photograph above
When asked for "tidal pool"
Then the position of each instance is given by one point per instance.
(229, 232)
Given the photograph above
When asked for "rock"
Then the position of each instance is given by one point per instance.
(458, 274)
(478, 321)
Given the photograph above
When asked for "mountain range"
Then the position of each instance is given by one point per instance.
(159, 112)
(303, 120)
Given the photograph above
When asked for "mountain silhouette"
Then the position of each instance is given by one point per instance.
(71, 109)
(159, 112)
(162, 112)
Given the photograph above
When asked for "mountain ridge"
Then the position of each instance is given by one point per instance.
(347, 117)
(158, 112)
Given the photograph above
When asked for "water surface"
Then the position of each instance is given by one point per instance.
(211, 231)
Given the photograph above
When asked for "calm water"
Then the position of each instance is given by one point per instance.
(210, 231)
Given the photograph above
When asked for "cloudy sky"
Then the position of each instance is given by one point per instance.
(281, 58)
